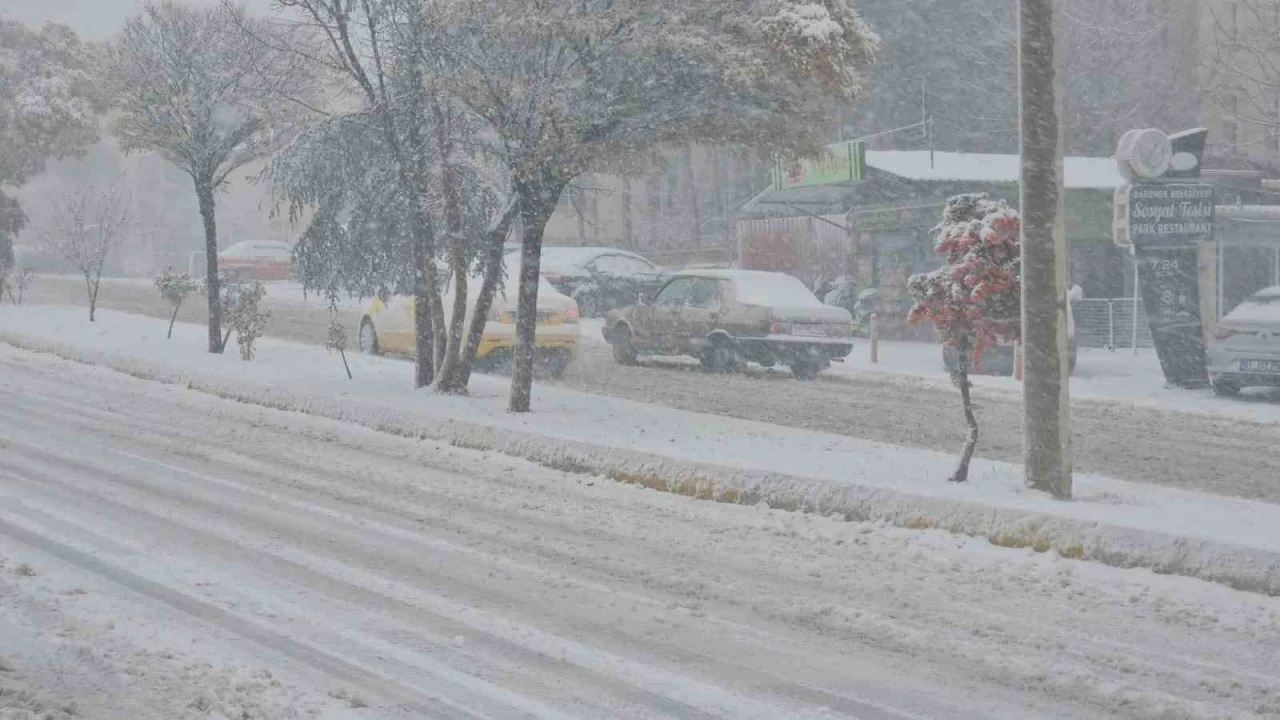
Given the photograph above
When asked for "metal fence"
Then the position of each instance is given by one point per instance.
(1108, 323)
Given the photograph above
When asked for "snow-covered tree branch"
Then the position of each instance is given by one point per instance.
(85, 227)
(570, 86)
(206, 96)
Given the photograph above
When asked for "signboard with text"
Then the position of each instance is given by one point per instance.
(1167, 215)
(839, 163)
(1169, 277)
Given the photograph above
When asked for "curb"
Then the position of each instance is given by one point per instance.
(1242, 568)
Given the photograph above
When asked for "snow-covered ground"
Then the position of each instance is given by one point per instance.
(1100, 375)
(305, 377)
(186, 556)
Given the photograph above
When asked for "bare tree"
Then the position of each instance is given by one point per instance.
(1242, 67)
(17, 283)
(84, 228)
(195, 89)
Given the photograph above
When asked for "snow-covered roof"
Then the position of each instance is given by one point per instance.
(1081, 173)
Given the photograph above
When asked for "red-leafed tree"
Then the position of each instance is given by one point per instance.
(975, 298)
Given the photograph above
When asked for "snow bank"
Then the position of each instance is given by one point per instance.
(1226, 540)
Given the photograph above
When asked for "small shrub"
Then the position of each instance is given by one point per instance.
(175, 288)
(243, 313)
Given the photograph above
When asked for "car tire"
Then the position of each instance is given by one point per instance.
(1225, 388)
(623, 352)
(806, 369)
(367, 339)
(721, 357)
(588, 305)
(558, 363)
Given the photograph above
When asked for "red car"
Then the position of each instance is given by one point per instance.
(257, 260)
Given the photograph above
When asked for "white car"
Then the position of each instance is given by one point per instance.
(1245, 349)
(387, 326)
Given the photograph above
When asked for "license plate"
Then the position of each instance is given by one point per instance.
(809, 330)
(1266, 366)
(544, 318)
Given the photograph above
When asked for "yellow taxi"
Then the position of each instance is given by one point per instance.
(386, 326)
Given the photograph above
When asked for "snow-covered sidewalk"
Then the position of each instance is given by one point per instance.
(1213, 537)
(1119, 375)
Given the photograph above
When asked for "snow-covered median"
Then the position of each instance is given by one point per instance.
(1228, 540)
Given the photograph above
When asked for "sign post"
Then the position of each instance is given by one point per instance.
(1167, 221)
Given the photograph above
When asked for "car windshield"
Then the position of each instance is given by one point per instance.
(886, 359)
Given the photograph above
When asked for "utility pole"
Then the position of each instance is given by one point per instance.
(1046, 399)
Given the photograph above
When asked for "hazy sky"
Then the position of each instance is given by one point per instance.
(94, 19)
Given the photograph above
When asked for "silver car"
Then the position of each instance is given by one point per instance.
(1245, 349)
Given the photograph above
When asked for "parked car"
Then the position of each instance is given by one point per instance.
(1245, 348)
(598, 278)
(256, 260)
(388, 323)
(727, 317)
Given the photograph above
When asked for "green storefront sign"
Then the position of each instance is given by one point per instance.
(840, 163)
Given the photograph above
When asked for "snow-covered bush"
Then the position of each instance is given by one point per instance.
(974, 299)
(175, 287)
(241, 306)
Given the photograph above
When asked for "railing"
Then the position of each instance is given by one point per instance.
(1108, 323)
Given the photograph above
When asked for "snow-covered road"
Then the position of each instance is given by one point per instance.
(1226, 452)
(167, 555)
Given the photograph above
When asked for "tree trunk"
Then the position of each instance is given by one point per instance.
(173, 319)
(213, 289)
(423, 335)
(448, 379)
(488, 288)
(92, 291)
(537, 203)
(628, 227)
(1046, 405)
(962, 380)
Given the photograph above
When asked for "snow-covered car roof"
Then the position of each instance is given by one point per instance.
(1260, 307)
(758, 287)
(258, 248)
(558, 259)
